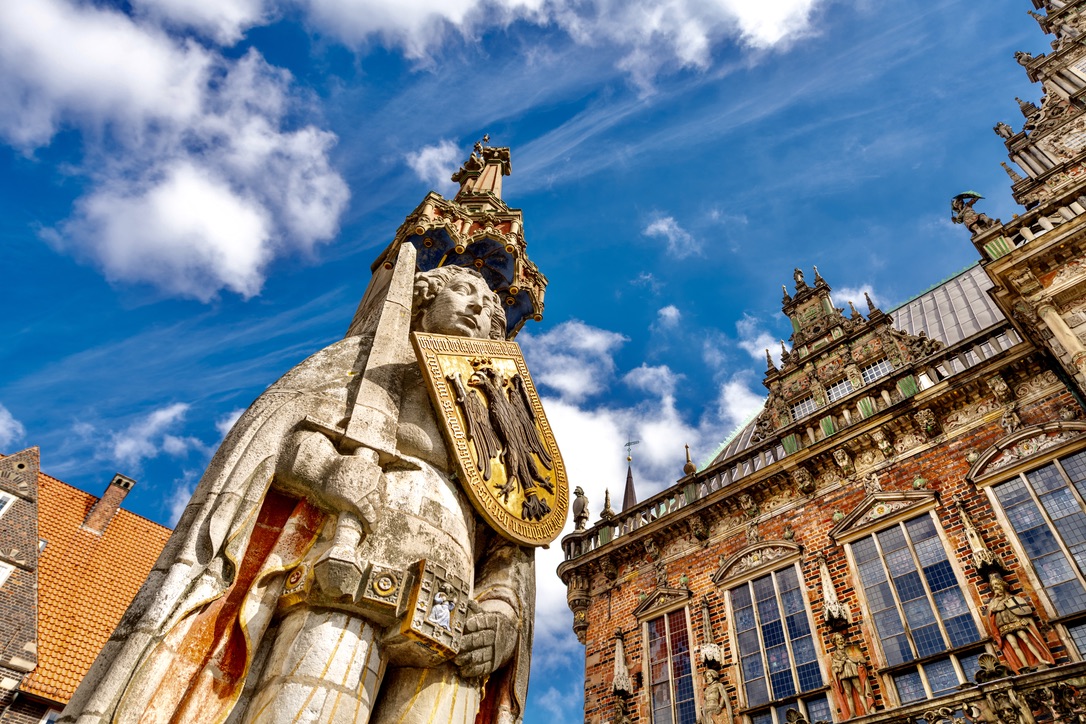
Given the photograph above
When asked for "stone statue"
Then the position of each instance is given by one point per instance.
(850, 679)
(580, 509)
(331, 575)
(963, 213)
(1012, 624)
(716, 709)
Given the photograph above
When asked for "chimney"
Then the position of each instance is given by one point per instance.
(102, 512)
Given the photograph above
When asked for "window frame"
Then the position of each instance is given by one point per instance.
(6, 569)
(876, 365)
(886, 671)
(842, 383)
(798, 700)
(646, 642)
(1061, 622)
(6, 501)
(796, 416)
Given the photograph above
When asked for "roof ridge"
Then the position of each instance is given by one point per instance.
(732, 435)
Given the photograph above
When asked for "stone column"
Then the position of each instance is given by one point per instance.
(1063, 334)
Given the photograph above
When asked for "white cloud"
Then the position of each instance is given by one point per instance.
(223, 21)
(150, 435)
(196, 184)
(841, 297)
(659, 380)
(435, 164)
(179, 497)
(224, 423)
(755, 340)
(737, 401)
(680, 243)
(668, 317)
(12, 431)
(573, 359)
(651, 35)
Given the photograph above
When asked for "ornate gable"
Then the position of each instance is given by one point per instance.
(878, 508)
(755, 559)
(1024, 445)
(661, 600)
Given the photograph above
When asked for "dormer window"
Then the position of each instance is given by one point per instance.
(804, 407)
(838, 389)
(875, 370)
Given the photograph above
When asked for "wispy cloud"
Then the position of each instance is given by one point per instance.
(754, 339)
(843, 295)
(224, 423)
(12, 431)
(574, 359)
(149, 436)
(680, 243)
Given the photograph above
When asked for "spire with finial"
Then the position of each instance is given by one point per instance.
(787, 297)
(855, 312)
(871, 308)
(607, 513)
(769, 366)
(1028, 108)
(784, 351)
(690, 468)
(1015, 178)
(797, 276)
(819, 281)
(1042, 20)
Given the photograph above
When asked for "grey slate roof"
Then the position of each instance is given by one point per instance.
(949, 312)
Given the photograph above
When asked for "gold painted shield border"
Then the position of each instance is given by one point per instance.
(437, 355)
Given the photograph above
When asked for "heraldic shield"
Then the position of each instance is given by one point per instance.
(492, 419)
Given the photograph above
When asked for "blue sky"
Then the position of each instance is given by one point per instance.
(191, 193)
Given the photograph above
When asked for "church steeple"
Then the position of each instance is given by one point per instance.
(629, 497)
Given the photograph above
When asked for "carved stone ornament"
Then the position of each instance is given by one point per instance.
(699, 529)
(608, 569)
(843, 461)
(970, 413)
(877, 506)
(748, 506)
(871, 482)
(621, 684)
(1010, 421)
(998, 385)
(983, 559)
(755, 557)
(990, 669)
(803, 480)
(580, 509)
(834, 612)
(882, 440)
(1023, 444)
(661, 599)
(1008, 707)
(651, 549)
(1036, 384)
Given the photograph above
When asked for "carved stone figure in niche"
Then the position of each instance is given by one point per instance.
(1010, 421)
(805, 483)
(883, 442)
(1007, 707)
(286, 498)
(1014, 627)
(999, 386)
(855, 377)
(925, 418)
(844, 461)
(851, 684)
(749, 507)
(580, 509)
(962, 212)
(871, 483)
(753, 536)
(1068, 413)
(716, 709)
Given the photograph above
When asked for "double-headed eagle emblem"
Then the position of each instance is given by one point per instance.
(505, 429)
(507, 459)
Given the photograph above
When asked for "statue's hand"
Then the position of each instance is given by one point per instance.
(488, 642)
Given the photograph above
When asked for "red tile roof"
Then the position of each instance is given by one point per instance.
(85, 583)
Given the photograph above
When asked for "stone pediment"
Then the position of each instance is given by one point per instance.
(660, 600)
(755, 558)
(874, 510)
(1023, 445)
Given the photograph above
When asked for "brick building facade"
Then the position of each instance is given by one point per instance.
(900, 535)
(70, 563)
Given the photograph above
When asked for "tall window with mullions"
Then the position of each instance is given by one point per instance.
(1045, 508)
(670, 671)
(776, 649)
(928, 634)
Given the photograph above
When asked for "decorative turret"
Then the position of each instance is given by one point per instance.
(477, 229)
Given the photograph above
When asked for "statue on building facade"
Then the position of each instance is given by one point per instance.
(961, 207)
(1014, 627)
(851, 682)
(319, 572)
(716, 709)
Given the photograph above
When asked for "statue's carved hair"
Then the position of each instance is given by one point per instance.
(430, 283)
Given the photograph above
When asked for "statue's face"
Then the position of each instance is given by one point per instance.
(459, 309)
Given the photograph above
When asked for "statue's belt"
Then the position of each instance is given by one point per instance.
(426, 601)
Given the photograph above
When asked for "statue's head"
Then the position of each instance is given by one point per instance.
(456, 300)
(578, 490)
(997, 583)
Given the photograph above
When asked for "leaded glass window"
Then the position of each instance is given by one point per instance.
(6, 500)
(777, 655)
(918, 608)
(804, 407)
(1046, 510)
(671, 676)
(875, 370)
(838, 389)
